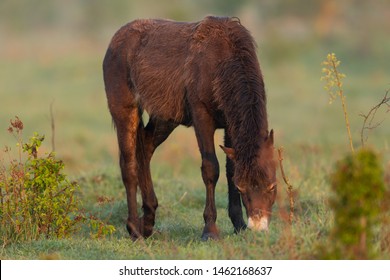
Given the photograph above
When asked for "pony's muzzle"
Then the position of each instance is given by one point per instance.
(258, 222)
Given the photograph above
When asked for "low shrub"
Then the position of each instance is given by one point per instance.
(358, 195)
(36, 197)
(37, 200)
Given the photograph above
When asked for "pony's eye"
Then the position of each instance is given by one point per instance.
(272, 187)
(240, 189)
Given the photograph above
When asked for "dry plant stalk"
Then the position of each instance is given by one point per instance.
(289, 186)
(53, 128)
(334, 87)
(369, 118)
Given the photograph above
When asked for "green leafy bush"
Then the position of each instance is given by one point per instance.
(36, 198)
(358, 193)
(99, 229)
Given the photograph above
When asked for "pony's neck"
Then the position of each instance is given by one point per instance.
(248, 132)
(239, 91)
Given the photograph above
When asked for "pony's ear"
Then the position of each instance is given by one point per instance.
(230, 153)
(269, 140)
(271, 137)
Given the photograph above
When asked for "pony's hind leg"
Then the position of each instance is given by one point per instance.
(125, 113)
(127, 134)
(149, 138)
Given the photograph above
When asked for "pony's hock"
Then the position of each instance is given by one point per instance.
(203, 74)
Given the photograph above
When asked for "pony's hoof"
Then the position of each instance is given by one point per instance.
(146, 229)
(210, 236)
(210, 231)
(240, 228)
(133, 232)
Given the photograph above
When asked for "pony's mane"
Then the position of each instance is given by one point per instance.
(239, 87)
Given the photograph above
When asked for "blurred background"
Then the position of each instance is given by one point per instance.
(51, 53)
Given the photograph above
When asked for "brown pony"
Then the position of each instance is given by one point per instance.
(203, 74)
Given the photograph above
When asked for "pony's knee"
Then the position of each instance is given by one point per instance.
(210, 170)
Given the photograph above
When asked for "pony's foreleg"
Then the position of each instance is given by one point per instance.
(234, 204)
(204, 129)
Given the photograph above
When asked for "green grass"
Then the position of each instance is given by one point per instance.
(311, 131)
(178, 228)
(179, 221)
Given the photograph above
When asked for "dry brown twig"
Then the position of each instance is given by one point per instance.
(369, 118)
(53, 127)
(289, 186)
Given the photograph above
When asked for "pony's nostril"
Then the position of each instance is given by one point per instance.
(258, 223)
(256, 212)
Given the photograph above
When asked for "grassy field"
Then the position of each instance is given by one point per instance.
(180, 222)
(312, 133)
(37, 73)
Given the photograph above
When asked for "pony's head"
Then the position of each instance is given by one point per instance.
(256, 183)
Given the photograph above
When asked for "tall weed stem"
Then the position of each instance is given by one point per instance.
(334, 87)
